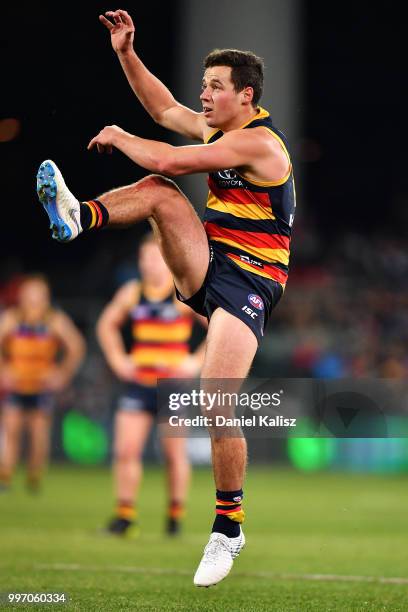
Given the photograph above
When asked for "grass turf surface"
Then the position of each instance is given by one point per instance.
(297, 525)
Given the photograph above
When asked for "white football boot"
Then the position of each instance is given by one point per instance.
(62, 208)
(218, 558)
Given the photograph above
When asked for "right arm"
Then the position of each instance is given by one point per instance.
(108, 330)
(151, 92)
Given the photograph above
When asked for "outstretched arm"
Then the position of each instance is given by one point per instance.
(151, 92)
(253, 150)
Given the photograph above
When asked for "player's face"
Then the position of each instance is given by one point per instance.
(34, 295)
(152, 266)
(221, 103)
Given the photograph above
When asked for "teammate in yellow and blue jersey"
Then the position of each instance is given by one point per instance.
(234, 267)
(161, 329)
(40, 351)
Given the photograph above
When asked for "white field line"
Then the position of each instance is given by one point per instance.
(76, 567)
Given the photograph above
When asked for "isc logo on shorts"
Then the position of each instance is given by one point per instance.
(256, 301)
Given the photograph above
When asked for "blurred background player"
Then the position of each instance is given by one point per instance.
(161, 329)
(40, 351)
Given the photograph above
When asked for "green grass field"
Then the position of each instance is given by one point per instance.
(314, 542)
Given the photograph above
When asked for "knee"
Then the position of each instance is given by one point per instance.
(159, 189)
(176, 460)
(126, 454)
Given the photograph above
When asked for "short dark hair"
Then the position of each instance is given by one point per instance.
(247, 69)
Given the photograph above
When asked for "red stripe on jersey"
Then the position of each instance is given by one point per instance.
(255, 239)
(239, 196)
(159, 323)
(165, 346)
(273, 272)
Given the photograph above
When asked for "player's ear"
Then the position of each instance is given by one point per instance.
(247, 95)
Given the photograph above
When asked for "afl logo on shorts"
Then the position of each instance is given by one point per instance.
(256, 301)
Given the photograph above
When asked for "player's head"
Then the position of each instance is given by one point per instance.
(232, 79)
(34, 294)
(152, 267)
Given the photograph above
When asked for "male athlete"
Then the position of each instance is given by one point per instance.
(161, 329)
(32, 336)
(234, 267)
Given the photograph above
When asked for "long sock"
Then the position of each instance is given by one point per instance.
(229, 513)
(93, 214)
(125, 510)
(175, 510)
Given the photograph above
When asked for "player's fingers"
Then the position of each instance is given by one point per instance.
(91, 144)
(116, 17)
(101, 148)
(106, 22)
(125, 17)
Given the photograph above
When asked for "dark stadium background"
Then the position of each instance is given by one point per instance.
(61, 79)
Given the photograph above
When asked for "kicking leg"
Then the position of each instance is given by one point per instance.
(179, 231)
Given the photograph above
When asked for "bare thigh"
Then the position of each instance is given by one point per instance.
(230, 349)
(177, 227)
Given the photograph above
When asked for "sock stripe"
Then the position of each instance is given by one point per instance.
(229, 511)
(176, 510)
(228, 505)
(92, 210)
(99, 214)
(126, 511)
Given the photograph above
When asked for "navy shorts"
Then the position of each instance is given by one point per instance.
(26, 402)
(137, 398)
(249, 297)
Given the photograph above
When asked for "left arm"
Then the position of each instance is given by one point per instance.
(236, 149)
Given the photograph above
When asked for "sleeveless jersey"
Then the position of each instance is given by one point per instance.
(31, 351)
(160, 338)
(251, 221)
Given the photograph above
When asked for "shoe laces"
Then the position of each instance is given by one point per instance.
(214, 547)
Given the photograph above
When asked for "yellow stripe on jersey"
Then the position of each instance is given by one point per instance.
(174, 332)
(245, 211)
(269, 255)
(156, 357)
(281, 181)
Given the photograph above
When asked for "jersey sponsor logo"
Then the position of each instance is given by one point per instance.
(249, 260)
(229, 178)
(227, 174)
(256, 301)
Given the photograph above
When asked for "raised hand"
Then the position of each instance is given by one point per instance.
(121, 28)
